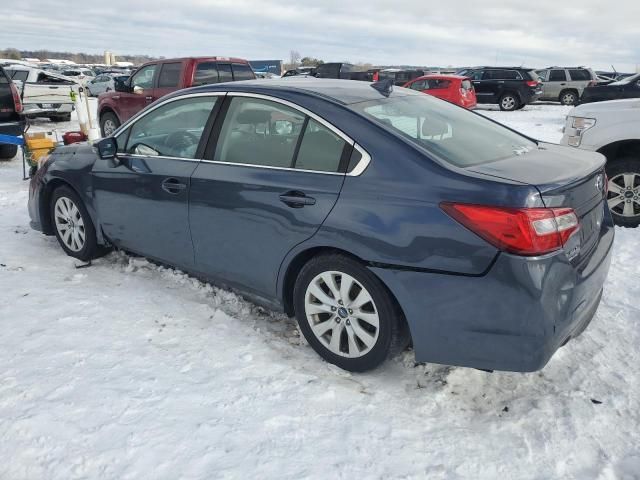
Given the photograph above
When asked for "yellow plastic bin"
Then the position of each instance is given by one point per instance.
(38, 145)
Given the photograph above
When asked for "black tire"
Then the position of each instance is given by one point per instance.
(60, 118)
(568, 97)
(104, 119)
(90, 249)
(509, 102)
(7, 152)
(628, 165)
(393, 334)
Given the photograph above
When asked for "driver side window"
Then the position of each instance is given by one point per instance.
(144, 77)
(172, 130)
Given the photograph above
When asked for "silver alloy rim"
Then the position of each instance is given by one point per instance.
(109, 127)
(69, 224)
(342, 314)
(508, 103)
(568, 99)
(624, 194)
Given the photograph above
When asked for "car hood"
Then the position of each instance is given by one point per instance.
(609, 106)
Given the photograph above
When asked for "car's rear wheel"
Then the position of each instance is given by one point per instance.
(7, 152)
(624, 191)
(346, 314)
(109, 123)
(569, 98)
(509, 102)
(72, 224)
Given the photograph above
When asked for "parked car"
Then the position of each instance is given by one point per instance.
(374, 215)
(629, 87)
(80, 75)
(44, 93)
(305, 71)
(156, 79)
(399, 77)
(11, 122)
(613, 129)
(452, 88)
(565, 84)
(104, 83)
(335, 70)
(512, 88)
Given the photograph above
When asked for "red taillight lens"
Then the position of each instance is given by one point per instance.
(532, 83)
(523, 231)
(17, 103)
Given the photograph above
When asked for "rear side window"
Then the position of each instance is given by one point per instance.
(435, 84)
(170, 75)
(580, 75)
(320, 150)
(224, 70)
(452, 134)
(557, 76)
(242, 72)
(206, 73)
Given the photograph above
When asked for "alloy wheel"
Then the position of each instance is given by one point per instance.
(109, 127)
(342, 314)
(508, 102)
(69, 224)
(624, 194)
(568, 99)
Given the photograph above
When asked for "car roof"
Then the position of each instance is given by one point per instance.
(501, 68)
(442, 75)
(209, 58)
(344, 92)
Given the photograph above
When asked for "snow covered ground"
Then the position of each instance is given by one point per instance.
(126, 370)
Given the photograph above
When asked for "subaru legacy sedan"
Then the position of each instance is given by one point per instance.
(376, 215)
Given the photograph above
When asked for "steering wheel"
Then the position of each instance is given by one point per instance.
(181, 140)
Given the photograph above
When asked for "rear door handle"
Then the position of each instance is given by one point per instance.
(173, 186)
(149, 98)
(296, 199)
(562, 84)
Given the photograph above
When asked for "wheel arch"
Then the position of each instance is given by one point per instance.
(301, 258)
(620, 148)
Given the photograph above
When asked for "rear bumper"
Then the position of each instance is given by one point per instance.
(513, 318)
(37, 109)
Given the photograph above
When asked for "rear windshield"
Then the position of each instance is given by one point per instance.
(453, 134)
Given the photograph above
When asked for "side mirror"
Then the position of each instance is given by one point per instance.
(107, 148)
(138, 90)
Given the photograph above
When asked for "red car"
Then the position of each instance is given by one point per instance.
(161, 77)
(452, 88)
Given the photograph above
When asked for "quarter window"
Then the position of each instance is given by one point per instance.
(320, 149)
(172, 130)
(557, 76)
(144, 77)
(170, 75)
(259, 132)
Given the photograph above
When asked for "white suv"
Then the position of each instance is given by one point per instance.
(613, 129)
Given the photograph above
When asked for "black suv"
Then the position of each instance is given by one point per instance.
(11, 123)
(510, 87)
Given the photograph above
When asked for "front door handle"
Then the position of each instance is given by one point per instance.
(296, 199)
(173, 186)
(149, 98)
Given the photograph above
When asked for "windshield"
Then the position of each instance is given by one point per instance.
(452, 133)
(627, 80)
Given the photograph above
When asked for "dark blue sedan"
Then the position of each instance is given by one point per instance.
(376, 216)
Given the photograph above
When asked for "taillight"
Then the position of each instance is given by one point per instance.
(532, 83)
(523, 231)
(17, 102)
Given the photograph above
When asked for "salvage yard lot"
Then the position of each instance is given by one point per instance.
(127, 370)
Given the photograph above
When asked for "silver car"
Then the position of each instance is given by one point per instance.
(565, 84)
(104, 83)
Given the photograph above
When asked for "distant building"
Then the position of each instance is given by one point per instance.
(58, 61)
(266, 66)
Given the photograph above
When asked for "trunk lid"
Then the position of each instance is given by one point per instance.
(565, 177)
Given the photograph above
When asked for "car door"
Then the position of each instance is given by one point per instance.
(143, 199)
(489, 88)
(631, 90)
(557, 81)
(265, 186)
(140, 92)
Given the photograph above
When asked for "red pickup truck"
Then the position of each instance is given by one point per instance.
(161, 77)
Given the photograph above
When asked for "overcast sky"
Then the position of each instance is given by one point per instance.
(418, 32)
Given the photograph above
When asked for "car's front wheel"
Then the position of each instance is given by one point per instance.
(347, 315)
(509, 102)
(72, 224)
(624, 191)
